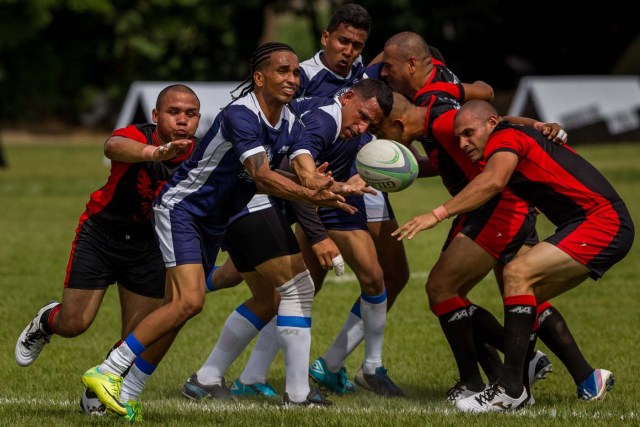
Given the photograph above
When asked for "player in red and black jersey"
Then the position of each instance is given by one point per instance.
(594, 232)
(115, 241)
(488, 237)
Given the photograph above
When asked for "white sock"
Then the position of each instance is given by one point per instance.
(374, 318)
(350, 336)
(133, 384)
(294, 333)
(262, 356)
(236, 334)
(118, 360)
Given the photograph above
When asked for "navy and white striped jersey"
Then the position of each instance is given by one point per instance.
(322, 118)
(213, 183)
(317, 80)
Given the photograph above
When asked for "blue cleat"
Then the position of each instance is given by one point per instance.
(336, 382)
(596, 386)
(255, 390)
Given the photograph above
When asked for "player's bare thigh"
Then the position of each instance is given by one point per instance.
(359, 252)
(458, 269)
(282, 269)
(546, 268)
(134, 308)
(391, 254)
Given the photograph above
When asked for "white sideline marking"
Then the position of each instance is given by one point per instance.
(185, 407)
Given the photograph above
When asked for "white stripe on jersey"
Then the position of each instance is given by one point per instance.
(198, 175)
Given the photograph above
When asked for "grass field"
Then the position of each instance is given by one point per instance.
(43, 192)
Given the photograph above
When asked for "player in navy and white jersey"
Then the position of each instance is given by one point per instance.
(335, 127)
(336, 67)
(595, 231)
(234, 160)
(114, 241)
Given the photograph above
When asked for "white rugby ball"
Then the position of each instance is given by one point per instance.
(387, 165)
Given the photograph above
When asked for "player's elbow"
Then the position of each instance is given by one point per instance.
(109, 148)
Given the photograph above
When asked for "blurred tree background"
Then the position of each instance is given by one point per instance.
(70, 62)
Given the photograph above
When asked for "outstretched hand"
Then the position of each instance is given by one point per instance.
(321, 179)
(355, 186)
(170, 150)
(415, 225)
(330, 199)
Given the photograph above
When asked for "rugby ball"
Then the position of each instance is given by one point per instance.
(386, 165)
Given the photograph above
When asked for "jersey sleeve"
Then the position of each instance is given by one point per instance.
(130, 132)
(508, 140)
(322, 127)
(242, 128)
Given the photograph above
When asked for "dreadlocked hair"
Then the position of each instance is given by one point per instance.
(260, 55)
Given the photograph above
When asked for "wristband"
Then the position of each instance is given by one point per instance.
(440, 213)
(147, 152)
(538, 126)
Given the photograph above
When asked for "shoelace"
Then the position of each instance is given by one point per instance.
(38, 335)
(487, 395)
(454, 392)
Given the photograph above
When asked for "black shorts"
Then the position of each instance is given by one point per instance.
(258, 237)
(98, 260)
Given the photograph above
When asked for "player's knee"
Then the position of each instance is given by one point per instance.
(73, 324)
(296, 296)
(189, 306)
(515, 277)
(372, 281)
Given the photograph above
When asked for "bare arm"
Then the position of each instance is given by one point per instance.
(127, 150)
(275, 184)
(480, 190)
(478, 90)
(553, 131)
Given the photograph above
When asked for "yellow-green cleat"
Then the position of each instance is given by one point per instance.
(107, 387)
(134, 411)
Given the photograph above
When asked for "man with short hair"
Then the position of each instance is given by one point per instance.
(115, 242)
(595, 231)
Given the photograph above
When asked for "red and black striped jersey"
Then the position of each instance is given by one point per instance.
(123, 205)
(552, 177)
(442, 95)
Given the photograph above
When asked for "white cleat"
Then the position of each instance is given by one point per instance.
(493, 399)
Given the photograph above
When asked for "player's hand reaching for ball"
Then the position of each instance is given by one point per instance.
(415, 225)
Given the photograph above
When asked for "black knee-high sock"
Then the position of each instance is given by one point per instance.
(519, 318)
(531, 349)
(555, 334)
(488, 334)
(458, 329)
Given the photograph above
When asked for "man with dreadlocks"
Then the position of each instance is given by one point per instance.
(248, 138)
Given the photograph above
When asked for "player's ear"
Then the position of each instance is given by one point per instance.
(347, 96)
(154, 115)
(258, 78)
(324, 37)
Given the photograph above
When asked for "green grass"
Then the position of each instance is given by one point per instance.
(42, 194)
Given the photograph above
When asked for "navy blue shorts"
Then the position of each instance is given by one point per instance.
(187, 239)
(337, 219)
